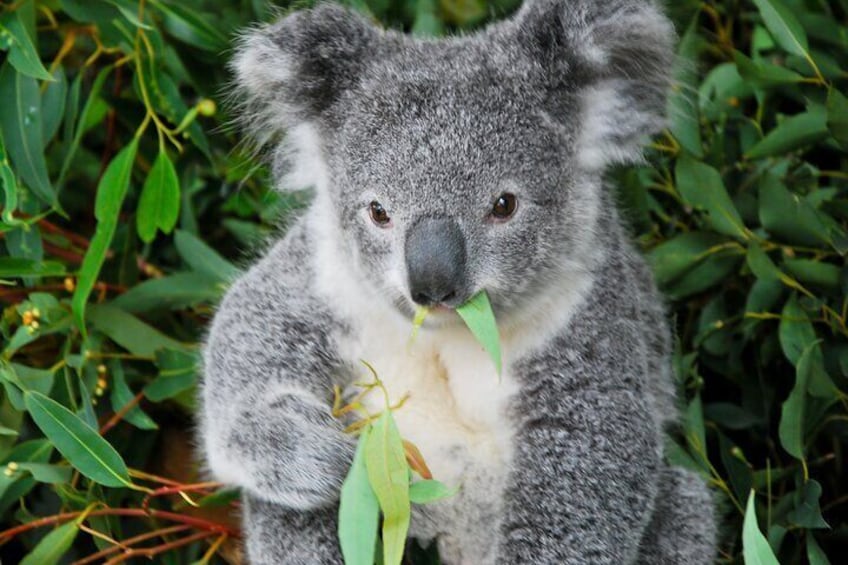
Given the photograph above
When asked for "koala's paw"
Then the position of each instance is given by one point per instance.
(289, 452)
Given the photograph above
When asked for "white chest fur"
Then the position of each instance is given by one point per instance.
(455, 413)
(455, 402)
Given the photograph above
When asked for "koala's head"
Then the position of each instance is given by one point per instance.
(464, 164)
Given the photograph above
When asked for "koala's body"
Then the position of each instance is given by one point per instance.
(443, 168)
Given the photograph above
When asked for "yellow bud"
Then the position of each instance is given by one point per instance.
(101, 368)
(101, 383)
(98, 391)
(34, 325)
(12, 466)
(27, 317)
(70, 284)
(206, 107)
(36, 313)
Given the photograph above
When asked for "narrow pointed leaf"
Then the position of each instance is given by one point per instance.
(20, 123)
(82, 446)
(53, 546)
(792, 417)
(785, 28)
(755, 548)
(388, 474)
(793, 133)
(111, 191)
(159, 205)
(359, 511)
(202, 258)
(22, 53)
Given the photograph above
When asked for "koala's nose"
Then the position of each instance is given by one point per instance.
(435, 261)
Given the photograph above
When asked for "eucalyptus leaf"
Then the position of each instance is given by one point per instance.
(388, 474)
(84, 448)
(756, 549)
(478, 316)
(359, 511)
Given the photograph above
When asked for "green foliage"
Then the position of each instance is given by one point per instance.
(126, 201)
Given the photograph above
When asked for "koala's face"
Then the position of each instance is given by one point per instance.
(452, 179)
(467, 164)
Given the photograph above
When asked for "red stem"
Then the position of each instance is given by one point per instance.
(198, 523)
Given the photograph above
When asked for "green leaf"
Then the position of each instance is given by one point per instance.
(792, 133)
(20, 124)
(696, 435)
(761, 265)
(84, 117)
(837, 116)
(129, 332)
(121, 395)
(159, 205)
(203, 259)
(22, 53)
(762, 74)
(81, 445)
(713, 270)
(388, 474)
(177, 373)
(46, 473)
(817, 273)
(701, 186)
(755, 547)
(130, 14)
(796, 331)
(478, 316)
(359, 511)
(807, 512)
(53, 105)
(792, 219)
(427, 491)
(9, 186)
(683, 252)
(111, 191)
(53, 546)
(14, 267)
(175, 292)
(792, 417)
(187, 26)
(796, 334)
(783, 26)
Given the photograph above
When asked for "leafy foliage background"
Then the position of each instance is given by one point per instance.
(127, 204)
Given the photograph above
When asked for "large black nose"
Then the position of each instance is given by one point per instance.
(435, 261)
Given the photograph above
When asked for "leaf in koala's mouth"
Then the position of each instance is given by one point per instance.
(421, 314)
(478, 316)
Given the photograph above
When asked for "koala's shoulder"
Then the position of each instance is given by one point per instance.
(282, 276)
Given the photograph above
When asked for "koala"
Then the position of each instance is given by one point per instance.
(442, 168)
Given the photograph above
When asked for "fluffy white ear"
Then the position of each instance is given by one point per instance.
(618, 54)
(289, 76)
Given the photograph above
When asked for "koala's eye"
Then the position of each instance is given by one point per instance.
(504, 206)
(378, 214)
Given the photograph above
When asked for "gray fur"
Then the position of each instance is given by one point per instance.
(562, 461)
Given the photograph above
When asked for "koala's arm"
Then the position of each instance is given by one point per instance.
(588, 449)
(269, 370)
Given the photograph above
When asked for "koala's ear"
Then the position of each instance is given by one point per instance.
(295, 69)
(619, 55)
